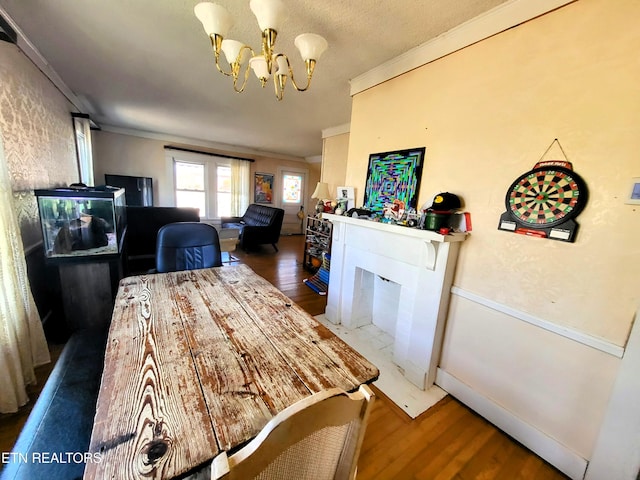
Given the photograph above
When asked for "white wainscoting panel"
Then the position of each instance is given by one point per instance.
(564, 459)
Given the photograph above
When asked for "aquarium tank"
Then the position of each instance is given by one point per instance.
(82, 222)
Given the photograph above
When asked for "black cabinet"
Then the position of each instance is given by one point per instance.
(138, 191)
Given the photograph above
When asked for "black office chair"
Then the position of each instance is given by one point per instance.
(187, 246)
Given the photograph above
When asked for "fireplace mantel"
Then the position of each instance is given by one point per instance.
(418, 263)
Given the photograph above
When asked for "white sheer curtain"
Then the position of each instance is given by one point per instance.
(22, 342)
(240, 186)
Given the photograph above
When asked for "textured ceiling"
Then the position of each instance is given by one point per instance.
(147, 65)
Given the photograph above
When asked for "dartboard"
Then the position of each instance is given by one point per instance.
(546, 197)
(544, 200)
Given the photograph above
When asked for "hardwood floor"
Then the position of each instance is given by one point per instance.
(448, 441)
(284, 270)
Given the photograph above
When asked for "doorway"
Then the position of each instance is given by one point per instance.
(292, 195)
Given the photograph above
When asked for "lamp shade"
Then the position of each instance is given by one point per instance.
(215, 18)
(310, 45)
(259, 66)
(269, 13)
(231, 49)
(283, 67)
(321, 192)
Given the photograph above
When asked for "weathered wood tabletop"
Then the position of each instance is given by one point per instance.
(198, 361)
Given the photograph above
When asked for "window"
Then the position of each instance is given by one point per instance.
(223, 193)
(292, 189)
(216, 186)
(190, 186)
(82, 127)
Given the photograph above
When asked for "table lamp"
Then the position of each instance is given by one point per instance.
(321, 193)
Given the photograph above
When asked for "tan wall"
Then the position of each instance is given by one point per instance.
(37, 132)
(128, 155)
(486, 114)
(39, 146)
(132, 155)
(335, 152)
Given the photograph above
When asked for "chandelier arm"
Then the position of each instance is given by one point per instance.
(236, 67)
(280, 79)
(268, 43)
(216, 42)
(279, 82)
(310, 65)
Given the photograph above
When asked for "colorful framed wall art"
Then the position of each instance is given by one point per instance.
(393, 176)
(263, 188)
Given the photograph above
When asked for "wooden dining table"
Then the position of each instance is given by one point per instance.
(197, 362)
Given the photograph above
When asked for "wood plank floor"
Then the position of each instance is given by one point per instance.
(448, 441)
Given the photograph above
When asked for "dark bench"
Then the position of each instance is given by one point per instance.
(55, 439)
(259, 225)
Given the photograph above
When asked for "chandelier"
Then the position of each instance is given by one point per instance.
(216, 21)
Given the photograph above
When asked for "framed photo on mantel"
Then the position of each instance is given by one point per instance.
(346, 197)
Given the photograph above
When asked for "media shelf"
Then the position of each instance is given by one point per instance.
(317, 241)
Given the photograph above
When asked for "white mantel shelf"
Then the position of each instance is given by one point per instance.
(389, 227)
(398, 278)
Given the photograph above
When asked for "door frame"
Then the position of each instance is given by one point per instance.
(278, 193)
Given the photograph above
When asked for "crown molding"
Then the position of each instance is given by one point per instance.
(338, 130)
(496, 20)
(33, 54)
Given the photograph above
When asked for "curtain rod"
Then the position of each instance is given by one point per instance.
(180, 149)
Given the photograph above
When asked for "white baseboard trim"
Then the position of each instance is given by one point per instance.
(558, 455)
(575, 335)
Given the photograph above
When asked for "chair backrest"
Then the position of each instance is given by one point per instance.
(187, 246)
(318, 437)
(263, 215)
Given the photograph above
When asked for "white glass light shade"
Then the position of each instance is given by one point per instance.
(215, 18)
(270, 13)
(321, 192)
(283, 68)
(259, 66)
(311, 46)
(231, 49)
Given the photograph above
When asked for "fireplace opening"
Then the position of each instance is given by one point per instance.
(411, 308)
(376, 301)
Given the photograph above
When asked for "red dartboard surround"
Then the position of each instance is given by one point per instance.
(546, 197)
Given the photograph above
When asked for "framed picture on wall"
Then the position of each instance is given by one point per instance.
(393, 176)
(263, 188)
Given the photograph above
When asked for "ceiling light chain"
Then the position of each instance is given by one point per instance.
(216, 21)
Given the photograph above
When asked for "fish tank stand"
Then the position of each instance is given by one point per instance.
(83, 231)
(88, 291)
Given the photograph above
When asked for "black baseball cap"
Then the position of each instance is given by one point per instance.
(445, 202)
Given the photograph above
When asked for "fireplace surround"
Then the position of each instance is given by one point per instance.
(399, 279)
